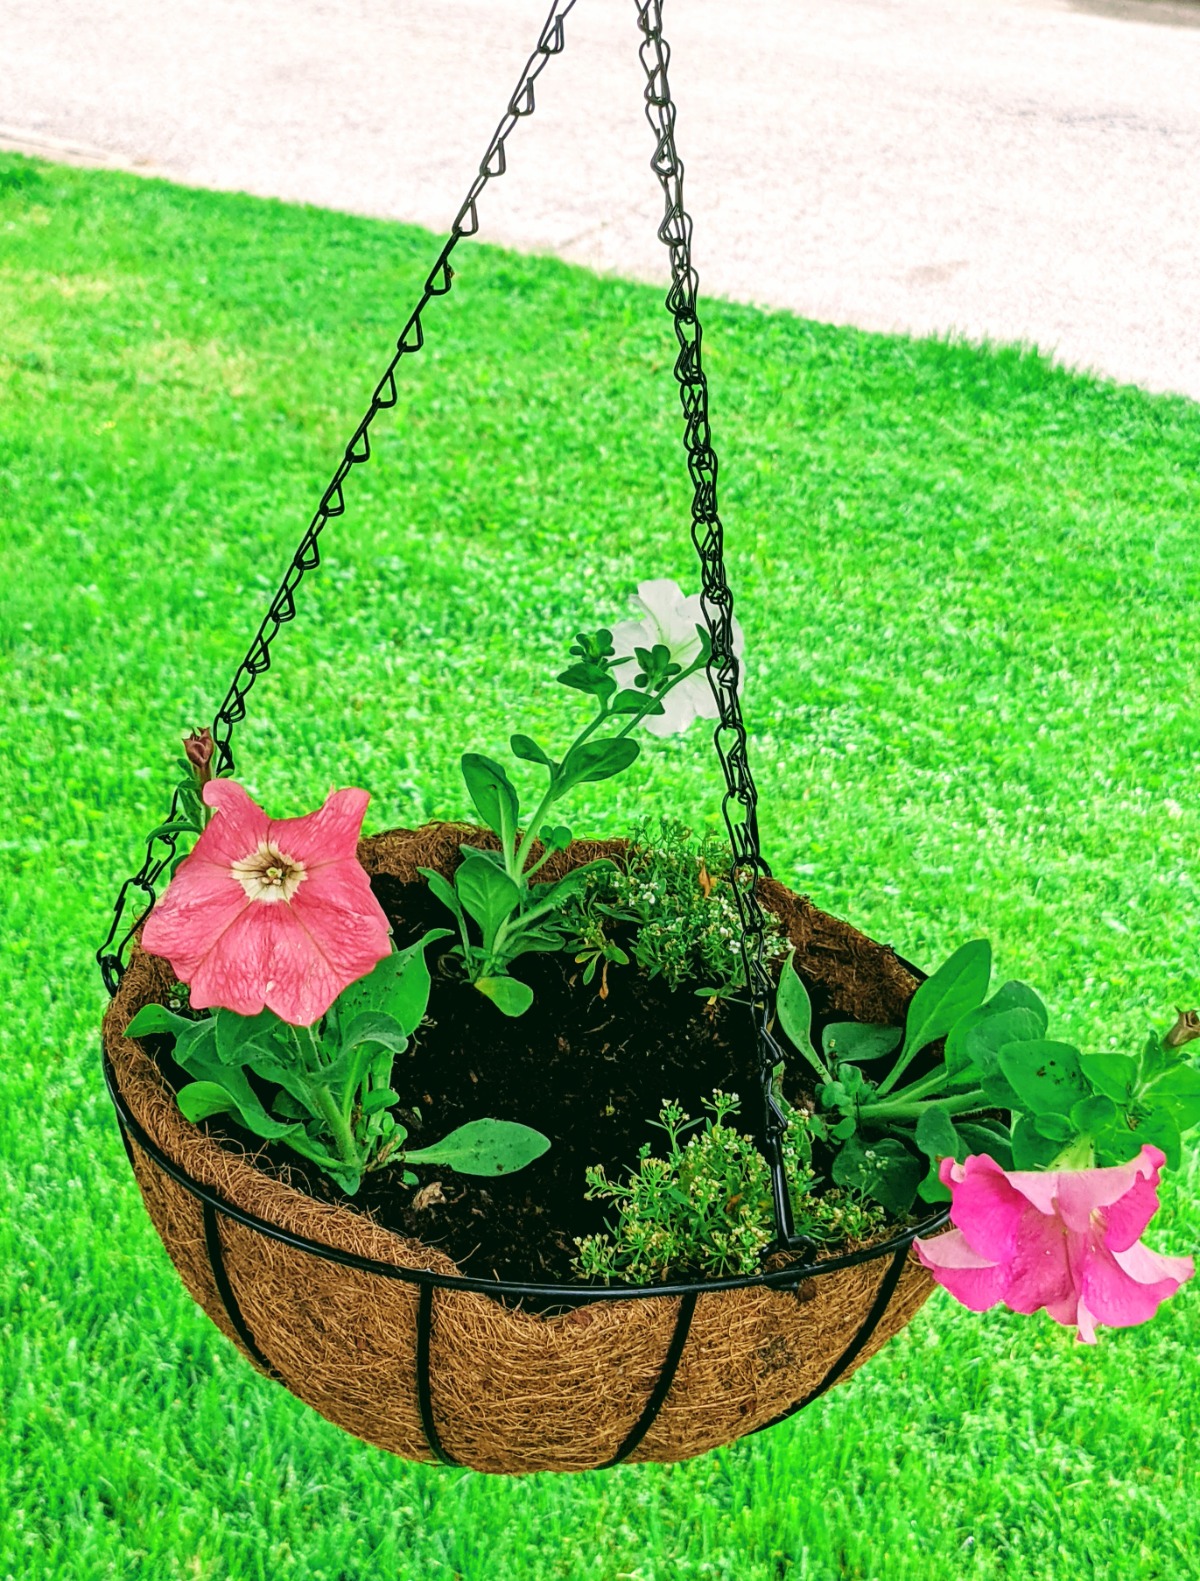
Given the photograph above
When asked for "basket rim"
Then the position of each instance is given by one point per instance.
(578, 1294)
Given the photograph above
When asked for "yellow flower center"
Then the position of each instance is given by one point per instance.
(268, 873)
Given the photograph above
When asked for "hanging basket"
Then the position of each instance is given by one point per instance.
(387, 1339)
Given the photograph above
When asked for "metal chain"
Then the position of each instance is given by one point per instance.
(740, 801)
(160, 848)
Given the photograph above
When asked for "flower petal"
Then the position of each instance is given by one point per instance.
(233, 973)
(1042, 1272)
(237, 827)
(330, 834)
(1124, 1193)
(986, 1208)
(1127, 1287)
(1127, 1218)
(971, 1279)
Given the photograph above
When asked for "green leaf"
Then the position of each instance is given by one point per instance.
(569, 884)
(172, 830)
(487, 894)
(1012, 995)
(1154, 1058)
(381, 1098)
(193, 1039)
(1091, 1116)
(490, 788)
(931, 1188)
(1178, 1091)
(526, 748)
(1114, 1075)
(152, 1020)
(1159, 1129)
(237, 1097)
(397, 986)
(794, 1009)
(348, 1179)
(1056, 1127)
(983, 1044)
(237, 1037)
(1045, 1076)
(956, 987)
(936, 1134)
(598, 760)
(589, 677)
(508, 994)
(372, 1026)
(884, 1170)
(444, 892)
(632, 702)
(851, 1041)
(201, 1099)
(990, 1137)
(1030, 1149)
(1117, 1145)
(484, 1147)
(290, 1107)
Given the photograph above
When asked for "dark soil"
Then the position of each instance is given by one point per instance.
(589, 1072)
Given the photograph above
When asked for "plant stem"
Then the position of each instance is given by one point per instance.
(962, 1104)
(921, 1089)
(339, 1125)
(333, 1115)
(657, 697)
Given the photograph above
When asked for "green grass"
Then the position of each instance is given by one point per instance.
(969, 584)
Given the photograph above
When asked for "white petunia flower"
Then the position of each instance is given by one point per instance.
(663, 614)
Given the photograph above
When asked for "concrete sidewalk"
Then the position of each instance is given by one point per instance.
(1016, 169)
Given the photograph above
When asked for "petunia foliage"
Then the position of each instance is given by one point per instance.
(325, 1090)
(991, 1082)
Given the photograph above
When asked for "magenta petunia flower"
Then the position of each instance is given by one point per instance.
(271, 913)
(1067, 1240)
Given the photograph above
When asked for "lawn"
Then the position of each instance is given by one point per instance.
(968, 581)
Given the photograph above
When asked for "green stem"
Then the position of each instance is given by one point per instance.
(339, 1125)
(921, 1089)
(517, 871)
(962, 1104)
(333, 1115)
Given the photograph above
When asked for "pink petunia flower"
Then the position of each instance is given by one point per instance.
(1067, 1240)
(274, 913)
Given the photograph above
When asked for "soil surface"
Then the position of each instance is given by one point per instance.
(589, 1072)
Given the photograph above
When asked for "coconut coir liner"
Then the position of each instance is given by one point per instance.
(512, 1391)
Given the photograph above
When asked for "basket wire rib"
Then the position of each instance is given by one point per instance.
(739, 801)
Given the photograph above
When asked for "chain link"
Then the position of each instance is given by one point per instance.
(740, 801)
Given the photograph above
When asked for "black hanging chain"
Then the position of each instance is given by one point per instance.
(137, 894)
(740, 801)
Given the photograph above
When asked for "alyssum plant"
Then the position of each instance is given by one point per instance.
(300, 1012)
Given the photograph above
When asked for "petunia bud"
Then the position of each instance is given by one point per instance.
(198, 748)
(1186, 1028)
